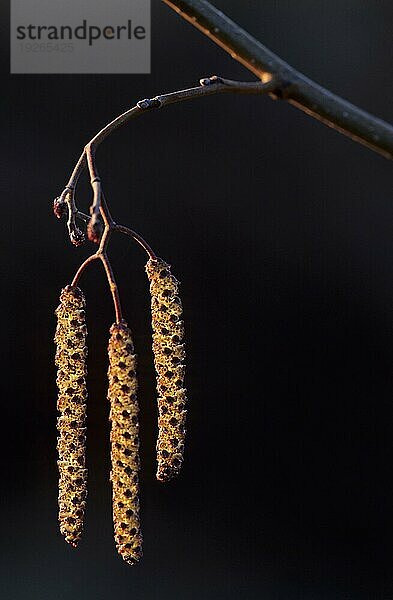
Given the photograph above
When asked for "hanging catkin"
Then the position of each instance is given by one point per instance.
(122, 394)
(71, 353)
(169, 357)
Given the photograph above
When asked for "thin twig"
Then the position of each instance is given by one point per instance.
(110, 276)
(292, 85)
(113, 286)
(81, 269)
(138, 238)
(126, 231)
(208, 87)
(109, 227)
(99, 208)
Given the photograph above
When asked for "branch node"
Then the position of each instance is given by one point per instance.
(149, 103)
(282, 90)
(213, 80)
(303, 93)
(59, 207)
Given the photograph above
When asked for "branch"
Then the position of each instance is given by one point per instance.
(208, 86)
(292, 86)
(100, 224)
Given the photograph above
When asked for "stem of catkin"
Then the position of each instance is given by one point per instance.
(122, 394)
(71, 354)
(169, 361)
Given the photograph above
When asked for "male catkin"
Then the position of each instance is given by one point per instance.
(71, 354)
(122, 394)
(169, 361)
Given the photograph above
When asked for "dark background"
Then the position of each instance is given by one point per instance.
(281, 233)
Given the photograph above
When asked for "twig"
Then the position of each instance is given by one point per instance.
(208, 86)
(112, 285)
(292, 86)
(99, 211)
(101, 254)
(83, 266)
(126, 231)
(138, 238)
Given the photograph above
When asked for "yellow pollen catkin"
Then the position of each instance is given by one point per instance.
(169, 361)
(71, 354)
(122, 394)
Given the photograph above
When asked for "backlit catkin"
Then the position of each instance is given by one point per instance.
(122, 394)
(71, 354)
(169, 361)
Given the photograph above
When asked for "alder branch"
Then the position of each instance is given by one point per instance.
(100, 224)
(208, 86)
(292, 85)
(278, 79)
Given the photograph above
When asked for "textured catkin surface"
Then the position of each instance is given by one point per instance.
(71, 354)
(169, 361)
(122, 394)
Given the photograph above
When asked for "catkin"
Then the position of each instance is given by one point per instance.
(122, 394)
(169, 360)
(71, 354)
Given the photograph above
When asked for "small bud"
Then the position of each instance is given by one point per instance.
(149, 103)
(77, 237)
(95, 228)
(59, 207)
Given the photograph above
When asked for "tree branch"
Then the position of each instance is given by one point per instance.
(100, 224)
(208, 86)
(292, 86)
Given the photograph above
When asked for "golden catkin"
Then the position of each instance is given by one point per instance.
(71, 354)
(122, 394)
(169, 360)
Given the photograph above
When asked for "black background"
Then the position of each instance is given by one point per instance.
(281, 233)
